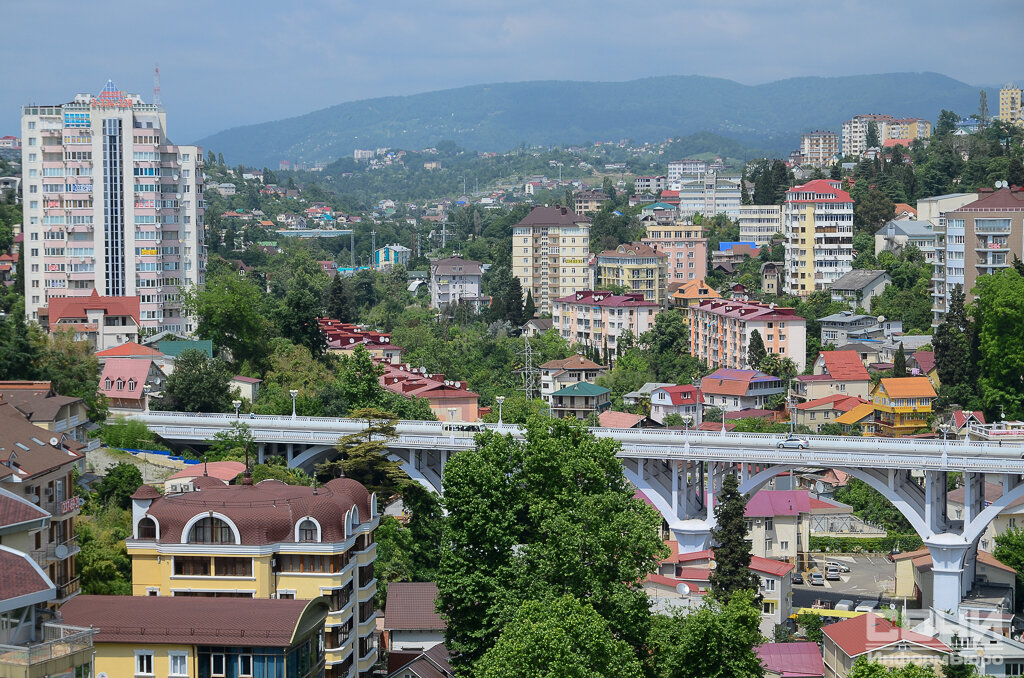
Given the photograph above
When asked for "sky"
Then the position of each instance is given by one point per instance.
(224, 64)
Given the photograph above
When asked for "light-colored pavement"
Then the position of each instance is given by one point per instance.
(155, 468)
(871, 578)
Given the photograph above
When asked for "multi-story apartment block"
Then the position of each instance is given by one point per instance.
(389, 256)
(1010, 105)
(598, 319)
(589, 201)
(855, 131)
(818, 231)
(678, 168)
(819, 148)
(979, 238)
(268, 540)
(637, 267)
(709, 194)
(685, 247)
(720, 332)
(455, 279)
(38, 465)
(733, 390)
(111, 205)
(759, 223)
(652, 185)
(550, 252)
(903, 405)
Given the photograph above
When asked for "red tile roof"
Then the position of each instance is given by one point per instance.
(603, 298)
(757, 563)
(792, 660)
(733, 382)
(821, 187)
(170, 620)
(411, 606)
(844, 366)
(130, 348)
(925, 360)
(76, 307)
(960, 417)
(998, 201)
(267, 512)
(715, 426)
(20, 576)
(747, 310)
(869, 632)
(575, 361)
(770, 503)
(14, 510)
(125, 369)
(681, 394)
(840, 403)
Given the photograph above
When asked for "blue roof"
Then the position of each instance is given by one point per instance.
(175, 348)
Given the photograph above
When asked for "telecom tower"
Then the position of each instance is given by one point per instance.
(156, 89)
(528, 371)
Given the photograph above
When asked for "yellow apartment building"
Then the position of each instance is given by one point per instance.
(1009, 105)
(903, 405)
(203, 637)
(263, 541)
(818, 231)
(551, 254)
(638, 268)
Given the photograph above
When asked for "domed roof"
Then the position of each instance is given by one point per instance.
(146, 492)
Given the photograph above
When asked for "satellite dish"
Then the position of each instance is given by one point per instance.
(713, 565)
(34, 498)
(892, 606)
(683, 589)
(819, 487)
(61, 551)
(54, 441)
(880, 319)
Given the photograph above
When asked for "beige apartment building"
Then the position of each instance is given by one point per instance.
(976, 239)
(819, 148)
(818, 231)
(855, 131)
(550, 254)
(598, 319)
(759, 223)
(685, 247)
(1009, 105)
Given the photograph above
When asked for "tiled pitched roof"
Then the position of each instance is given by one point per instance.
(20, 576)
(434, 663)
(868, 632)
(25, 448)
(733, 382)
(410, 606)
(448, 266)
(574, 361)
(76, 307)
(925, 360)
(822, 187)
(908, 387)
(681, 394)
(130, 348)
(35, 399)
(843, 403)
(696, 289)
(610, 419)
(769, 503)
(633, 249)
(267, 512)
(603, 298)
(171, 620)
(1003, 199)
(792, 660)
(757, 563)
(960, 417)
(131, 372)
(14, 510)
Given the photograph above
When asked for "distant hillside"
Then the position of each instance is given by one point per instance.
(501, 116)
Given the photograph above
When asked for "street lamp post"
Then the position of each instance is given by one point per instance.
(294, 394)
(500, 399)
(236, 404)
(145, 393)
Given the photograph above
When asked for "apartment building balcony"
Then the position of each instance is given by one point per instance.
(993, 246)
(61, 649)
(57, 551)
(993, 230)
(66, 590)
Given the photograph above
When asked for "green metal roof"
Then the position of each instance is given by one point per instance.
(174, 348)
(581, 388)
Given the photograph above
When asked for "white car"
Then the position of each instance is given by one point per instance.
(842, 567)
(793, 443)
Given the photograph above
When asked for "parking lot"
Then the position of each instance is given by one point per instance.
(871, 578)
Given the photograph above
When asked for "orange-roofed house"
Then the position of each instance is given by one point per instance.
(878, 640)
(903, 405)
(904, 211)
(860, 419)
(834, 373)
(691, 292)
(103, 322)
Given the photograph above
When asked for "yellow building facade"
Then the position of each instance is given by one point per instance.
(268, 540)
(903, 405)
(638, 268)
(1009, 105)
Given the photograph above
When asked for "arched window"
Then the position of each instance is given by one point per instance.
(147, 528)
(308, 531)
(131, 384)
(120, 384)
(210, 531)
(107, 384)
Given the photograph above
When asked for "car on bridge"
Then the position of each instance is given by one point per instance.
(793, 443)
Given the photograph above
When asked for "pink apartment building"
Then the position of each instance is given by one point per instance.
(720, 332)
(595, 318)
(685, 246)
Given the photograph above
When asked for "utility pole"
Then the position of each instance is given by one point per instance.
(373, 242)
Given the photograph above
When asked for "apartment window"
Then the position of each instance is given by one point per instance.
(245, 665)
(143, 663)
(1013, 669)
(232, 567)
(768, 584)
(769, 524)
(177, 664)
(768, 607)
(784, 545)
(767, 546)
(191, 566)
(217, 665)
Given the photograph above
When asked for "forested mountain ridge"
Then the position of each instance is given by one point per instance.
(499, 117)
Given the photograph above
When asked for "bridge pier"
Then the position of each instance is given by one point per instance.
(949, 583)
(261, 449)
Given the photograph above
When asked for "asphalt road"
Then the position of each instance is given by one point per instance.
(871, 578)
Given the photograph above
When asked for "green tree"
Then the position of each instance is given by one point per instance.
(716, 641)
(1010, 552)
(999, 317)
(831, 429)
(198, 384)
(338, 301)
(899, 362)
(542, 517)
(673, 419)
(961, 669)
(756, 351)
(1015, 171)
(952, 343)
(364, 454)
(394, 556)
(732, 552)
(302, 305)
(873, 210)
(118, 485)
(103, 565)
(72, 370)
(868, 504)
(811, 625)
(229, 310)
(529, 308)
(558, 637)
(128, 434)
(872, 140)
(232, 444)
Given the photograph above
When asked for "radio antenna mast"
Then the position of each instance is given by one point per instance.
(156, 89)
